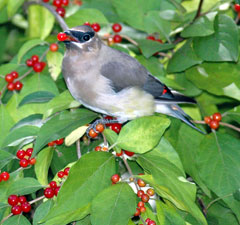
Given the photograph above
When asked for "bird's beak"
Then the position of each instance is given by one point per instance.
(70, 37)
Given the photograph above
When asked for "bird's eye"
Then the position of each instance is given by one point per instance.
(86, 37)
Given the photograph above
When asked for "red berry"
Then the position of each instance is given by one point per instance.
(48, 192)
(37, 67)
(23, 163)
(141, 183)
(207, 119)
(61, 11)
(45, 0)
(13, 200)
(18, 85)
(217, 116)
(5, 176)
(52, 143)
(237, 7)
(150, 37)
(14, 74)
(92, 133)
(119, 154)
(53, 184)
(66, 171)
(96, 27)
(22, 199)
(53, 47)
(29, 151)
(117, 38)
(61, 174)
(32, 161)
(59, 141)
(116, 127)
(11, 86)
(17, 209)
(9, 78)
(98, 148)
(145, 198)
(56, 190)
(116, 27)
(43, 64)
(142, 209)
(159, 40)
(0, 179)
(87, 24)
(100, 127)
(26, 207)
(29, 62)
(214, 124)
(147, 220)
(21, 154)
(140, 204)
(129, 153)
(115, 178)
(61, 36)
(65, 2)
(35, 59)
(151, 222)
(138, 212)
(150, 192)
(57, 3)
(140, 193)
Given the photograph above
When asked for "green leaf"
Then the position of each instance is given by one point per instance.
(24, 186)
(234, 114)
(224, 42)
(21, 136)
(112, 137)
(203, 26)
(41, 22)
(149, 47)
(42, 211)
(42, 165)
(5, 158)
(83, 15)
(118, 199)
(142, 134)
(13, 6)
(54, 60)
(224, 76)
(85, 221)
(236, 194)
(27, 46)
(61, 125)
(88, 177)
(37, 97)
(59, 103)
(17, 220)
(220, 154)
(184, 58)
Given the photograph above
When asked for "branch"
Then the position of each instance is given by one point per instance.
(37, 199)
(217, 199)
(198, 14)
(59, 19)
(78, 149)
(4, 219)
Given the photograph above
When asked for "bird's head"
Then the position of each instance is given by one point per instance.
(82, 38)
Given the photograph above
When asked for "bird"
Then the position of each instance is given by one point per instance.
(113, 83)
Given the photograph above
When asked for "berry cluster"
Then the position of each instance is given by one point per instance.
(64, 172)
(59, 4)
(35, 64)
(56, 142)
(152, 38)
(149, 222)
(125, 152)
(19, 204)
(213, 120)
(4, 176)
(25, 157)
(11, 86)
(52, 190)
(101, 149)
(95, 26)
(53, 47)
(116, 27)
(99, 129)
(116, 127)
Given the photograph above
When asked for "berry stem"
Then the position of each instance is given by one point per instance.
(217, 199)
(78, 147)
(37, 199)
(5, 218)
(59, 19)
(142, 220)
(198, 14)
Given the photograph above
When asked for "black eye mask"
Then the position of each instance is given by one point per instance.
(82, 36)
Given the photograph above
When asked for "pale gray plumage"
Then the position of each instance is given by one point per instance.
(111, 82)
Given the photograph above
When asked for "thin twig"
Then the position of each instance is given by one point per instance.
(217, 199)
(78, 149)
(4, 219)
(104, 140)
(142, 220)
(59, 19)
(198, 14)
(129, 39)
(37, 199)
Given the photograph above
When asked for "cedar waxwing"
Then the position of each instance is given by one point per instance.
(111, 82)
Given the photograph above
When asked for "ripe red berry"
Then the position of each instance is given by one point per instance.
(29, 151)
(115, 178)
(117, 38)
(65, 2)
(22, 199)
(13, 200)
(129, 153)
(48, 192)
(53, 184)
(116, 127)
(207, 119)
(26, 207)
(116, 27)
(34, 59)
(29, 62)
(141, 183)
(37, 67)
(159, 40)
(52, 143)
(150, 37)
(61, 174)
(151, 222)
(217, 116)
(5, 176)
(96, 27)
(140, 193)
(11, 86)
(98, 148)
(23, 163)
(61, 11)
(147, 220)
(32, 161)
(237, 7)
(14, 74)
(57, 3)
(138, 212)
(92, 133)
(18, 85)
(16, 210)
(142, 209)
(61, 36)
(56, 190)
(87, 24)
(150, 192)
(59, 141)
(53, 47)
(214, 124)
(21, 154)
(100, 127)
(66, 171)
(119, 154)
(140, 204)
(9, 78)
(145, 198)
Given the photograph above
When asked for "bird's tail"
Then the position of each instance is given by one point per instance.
(175, 111)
